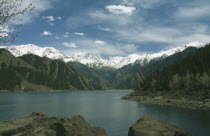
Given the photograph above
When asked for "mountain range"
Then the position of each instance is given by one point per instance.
(93, 60)
(30, 67)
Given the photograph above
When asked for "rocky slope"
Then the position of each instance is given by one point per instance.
(148, 126)
(39, 124)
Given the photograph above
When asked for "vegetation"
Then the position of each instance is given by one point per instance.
(130, 76)
(9, 79)
(28, 71)
(189, 74)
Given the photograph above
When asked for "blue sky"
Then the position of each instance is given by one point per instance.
(115, 27)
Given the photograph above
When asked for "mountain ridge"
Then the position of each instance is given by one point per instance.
(93, 60)
(73, 75)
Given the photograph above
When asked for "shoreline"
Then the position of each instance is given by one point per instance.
(52, 91)
(159, 100)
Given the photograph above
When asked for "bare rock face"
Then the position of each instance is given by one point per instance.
(39, 124)
(148, 126)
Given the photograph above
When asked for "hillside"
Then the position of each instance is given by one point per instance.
(30, 72)
(132, 75)
(184, 83)
(190, 73)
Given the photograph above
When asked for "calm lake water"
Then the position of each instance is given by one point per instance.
(101, 108)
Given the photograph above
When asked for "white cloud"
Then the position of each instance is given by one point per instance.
(59, 18)
(80, 34)
(51, 24)
(48, 18)
(46, 33)
(120, 9)
(100, 42)
(65, 36)
(104, 29)
(2, 35)
(71, 45)
(4, 31)
(101, 17)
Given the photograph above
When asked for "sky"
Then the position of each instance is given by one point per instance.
(115, 27)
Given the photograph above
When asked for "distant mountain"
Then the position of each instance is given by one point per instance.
(93, 60)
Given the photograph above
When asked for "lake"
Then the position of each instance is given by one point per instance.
(101, 108)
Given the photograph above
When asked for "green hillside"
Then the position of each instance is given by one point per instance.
(30, 72)
(189, 76)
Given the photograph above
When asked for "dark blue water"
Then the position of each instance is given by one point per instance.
(101, 108)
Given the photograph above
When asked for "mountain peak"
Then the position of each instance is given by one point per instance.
(93, 60)
(194, 44)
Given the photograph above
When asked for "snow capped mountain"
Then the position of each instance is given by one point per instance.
(119, 62)
(146, 58)
(93, 60)
(89, 59)
(49, 52)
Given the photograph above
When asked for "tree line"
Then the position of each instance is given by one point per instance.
(190, 73)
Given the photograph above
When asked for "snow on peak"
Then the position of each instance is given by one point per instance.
(49, 52)
(163, 54)
(89, 59)
(119, 62)
(93, 60)
(194, 44)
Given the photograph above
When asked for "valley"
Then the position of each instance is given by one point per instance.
(170, 78)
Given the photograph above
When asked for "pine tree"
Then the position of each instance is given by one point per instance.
(175, 83)
(154, 85)
(198, 81)
(188, 82)
(205, 81)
